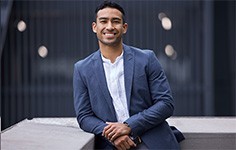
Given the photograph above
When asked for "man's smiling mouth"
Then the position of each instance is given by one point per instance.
(109, 34)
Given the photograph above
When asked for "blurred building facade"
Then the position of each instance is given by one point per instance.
(41, 41)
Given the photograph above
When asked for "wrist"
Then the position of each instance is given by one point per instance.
(125, 123)
(129, 129)
(135, 139)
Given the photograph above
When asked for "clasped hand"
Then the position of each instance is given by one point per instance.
(118, 134)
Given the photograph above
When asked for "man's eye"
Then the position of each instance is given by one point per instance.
(116, 21)
(103, 21)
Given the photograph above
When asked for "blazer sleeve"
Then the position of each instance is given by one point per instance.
(161, 98)
(85, 116)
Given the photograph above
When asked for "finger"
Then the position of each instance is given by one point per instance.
(114, 136)
(109, 128)
(117, 133)
(126, 144)
(105, 129)
(118, 148)
(122, 147)
(131, 143)
(109, 133)
(109, 122)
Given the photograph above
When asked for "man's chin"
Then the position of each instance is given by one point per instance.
(110, 43)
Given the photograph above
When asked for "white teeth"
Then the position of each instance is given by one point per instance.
(109, 34)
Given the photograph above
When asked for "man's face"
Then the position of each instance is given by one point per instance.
(109, 26)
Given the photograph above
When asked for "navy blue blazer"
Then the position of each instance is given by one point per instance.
(148, 95)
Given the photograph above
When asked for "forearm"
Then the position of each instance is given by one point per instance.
(91, 124)
(149, 118)
(85, 116)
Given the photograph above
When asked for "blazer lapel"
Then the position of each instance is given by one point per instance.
(101, 79)
(128, 71)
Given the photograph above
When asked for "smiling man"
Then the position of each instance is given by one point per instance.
(121, 93)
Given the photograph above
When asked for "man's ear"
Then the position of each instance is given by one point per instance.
(94, 27)
(125, 28)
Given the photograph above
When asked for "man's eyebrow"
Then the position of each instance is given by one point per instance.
(105, 18)
(116, 19)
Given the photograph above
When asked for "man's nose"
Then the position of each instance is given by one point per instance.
(110, 26)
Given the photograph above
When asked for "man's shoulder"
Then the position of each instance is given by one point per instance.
(86, 61)
(139, 51)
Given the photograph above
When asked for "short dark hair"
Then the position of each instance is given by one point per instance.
(110, 4)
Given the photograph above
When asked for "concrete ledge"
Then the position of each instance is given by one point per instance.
(203, 133)
(46, 134)
(64, 133)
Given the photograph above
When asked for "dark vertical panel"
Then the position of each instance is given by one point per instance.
(31, 59)
(222, 69)
(208, 59)
(232, 34)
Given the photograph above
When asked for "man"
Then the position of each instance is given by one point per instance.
(121, 93)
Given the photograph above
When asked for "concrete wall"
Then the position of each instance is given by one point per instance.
(63, 133)
(206, 132)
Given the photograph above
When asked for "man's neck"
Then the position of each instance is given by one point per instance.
(111, 52)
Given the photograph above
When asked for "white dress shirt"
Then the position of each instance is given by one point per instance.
(115, 81)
